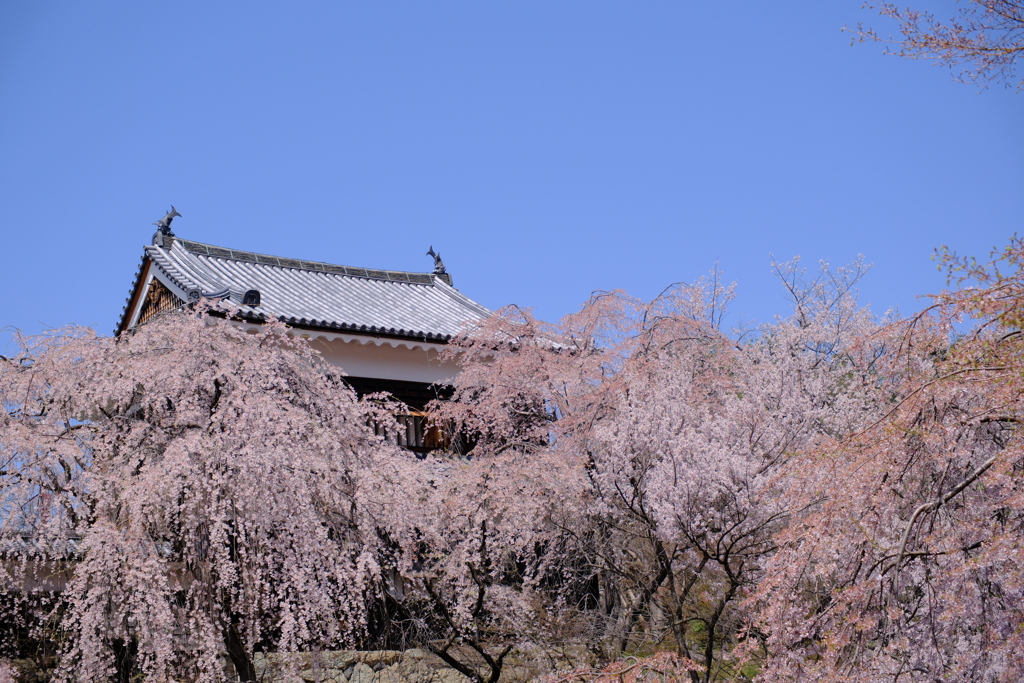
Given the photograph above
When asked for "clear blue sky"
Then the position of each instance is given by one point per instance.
(546, 149)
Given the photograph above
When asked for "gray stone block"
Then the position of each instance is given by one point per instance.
(361, 674)
(385, 657)
(389, 674)
(449, 676)
(416, 669)
(340, 659)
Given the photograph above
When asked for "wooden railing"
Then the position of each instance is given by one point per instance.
(415, 433)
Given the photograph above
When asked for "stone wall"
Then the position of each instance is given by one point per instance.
(382, 666)
(347, 666)
(410, 666)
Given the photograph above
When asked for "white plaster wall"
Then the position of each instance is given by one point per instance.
(358, 359)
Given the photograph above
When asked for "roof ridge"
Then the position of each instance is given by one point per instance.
(455, 294)
(202, 249)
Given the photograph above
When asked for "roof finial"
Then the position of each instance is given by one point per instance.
(163, 227)
(438, 263)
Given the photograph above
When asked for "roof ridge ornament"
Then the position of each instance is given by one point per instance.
(439, 268)
(163, 228)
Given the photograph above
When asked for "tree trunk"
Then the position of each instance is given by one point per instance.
(238, 654)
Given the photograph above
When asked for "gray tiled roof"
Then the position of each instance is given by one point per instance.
(320, 295)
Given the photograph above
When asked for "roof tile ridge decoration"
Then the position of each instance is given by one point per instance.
(201, 249)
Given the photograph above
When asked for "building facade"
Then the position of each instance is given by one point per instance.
(384, 329)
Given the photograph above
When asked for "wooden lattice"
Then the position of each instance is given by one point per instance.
(158, 300)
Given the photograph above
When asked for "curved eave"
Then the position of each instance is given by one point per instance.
(367, 330)
(362, 333)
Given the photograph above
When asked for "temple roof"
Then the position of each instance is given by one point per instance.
(307, 294)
